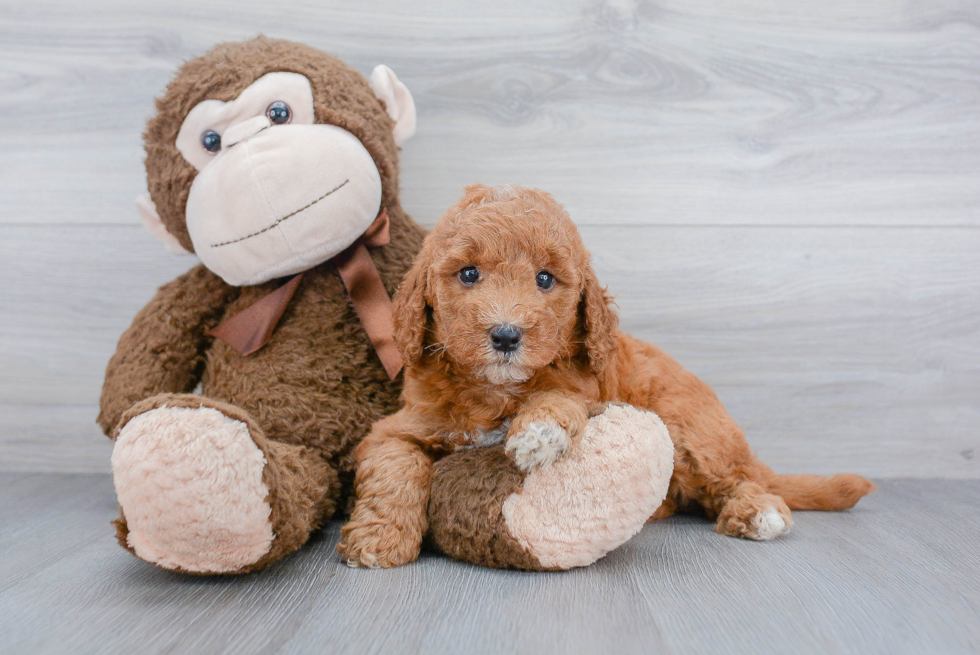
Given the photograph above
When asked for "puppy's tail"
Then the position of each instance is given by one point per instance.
(841, 491)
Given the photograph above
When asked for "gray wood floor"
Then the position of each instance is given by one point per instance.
(783, 195)
(898, 574)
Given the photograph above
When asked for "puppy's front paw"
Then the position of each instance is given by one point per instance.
(377, 545)
(540, 444)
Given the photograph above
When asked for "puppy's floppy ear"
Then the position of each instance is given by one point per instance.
(598, 322)
(411, 314)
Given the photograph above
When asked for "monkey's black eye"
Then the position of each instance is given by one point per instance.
(545, 280)
(278, 112)
(211, 141)
(469, 275)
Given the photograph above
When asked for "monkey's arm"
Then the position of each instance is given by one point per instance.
(164, 348)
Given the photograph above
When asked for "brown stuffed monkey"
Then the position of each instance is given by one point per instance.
(277, 165)
(266, 159)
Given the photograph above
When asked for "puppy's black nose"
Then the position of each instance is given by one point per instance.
(505, 338)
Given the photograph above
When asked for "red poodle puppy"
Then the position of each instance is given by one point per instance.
(508, 335)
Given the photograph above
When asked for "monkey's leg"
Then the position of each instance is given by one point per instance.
(483, 509)
(202, 489)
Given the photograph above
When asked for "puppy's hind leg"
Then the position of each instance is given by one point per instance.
(762, 511)
(752, 513)
(730, 484)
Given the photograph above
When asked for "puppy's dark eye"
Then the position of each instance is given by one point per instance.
(469, 275)
(211, 141)
(545, 280)
(278, 112)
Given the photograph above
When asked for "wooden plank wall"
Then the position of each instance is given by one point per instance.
(784, 195)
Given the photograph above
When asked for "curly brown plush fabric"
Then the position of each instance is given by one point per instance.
(466, 502)
(313, 392)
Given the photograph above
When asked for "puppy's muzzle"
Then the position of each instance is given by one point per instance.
(505, 338)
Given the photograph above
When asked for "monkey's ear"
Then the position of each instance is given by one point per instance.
(153, 224)
(398, 101)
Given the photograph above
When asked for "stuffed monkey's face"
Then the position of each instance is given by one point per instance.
(275, 193)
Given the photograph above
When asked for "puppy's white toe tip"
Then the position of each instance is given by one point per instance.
(539, 445)
(770, 524)
(362, 561)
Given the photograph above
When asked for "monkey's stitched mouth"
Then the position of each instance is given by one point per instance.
(278, 221)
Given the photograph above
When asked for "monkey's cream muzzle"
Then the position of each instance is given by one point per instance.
(273, 200)
(281, 201)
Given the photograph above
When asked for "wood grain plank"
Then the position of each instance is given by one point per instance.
(850, 349)
(632, 112)
(898, 574)
(61, 438)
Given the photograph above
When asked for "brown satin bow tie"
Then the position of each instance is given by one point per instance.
(250, 329)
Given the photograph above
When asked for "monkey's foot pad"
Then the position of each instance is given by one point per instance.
(189, 482)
